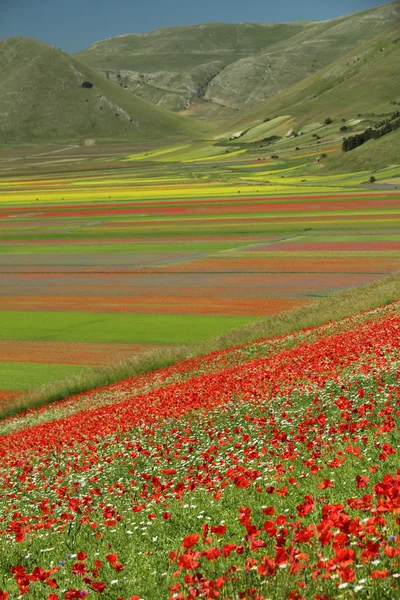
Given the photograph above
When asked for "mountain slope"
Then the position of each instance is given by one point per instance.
(41, 98)
(371, 156)
(363, 81)
(217, 69)
(352, 94)
(252, 80)
(173, 66)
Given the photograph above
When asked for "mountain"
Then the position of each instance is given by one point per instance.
(174, 66)
(45, 94)
(215, 70)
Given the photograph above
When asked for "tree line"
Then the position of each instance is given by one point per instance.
(382, 128)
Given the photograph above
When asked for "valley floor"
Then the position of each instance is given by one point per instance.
(114, 249)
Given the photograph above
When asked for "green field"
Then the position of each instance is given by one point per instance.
(141, 247)
(21, 377)
(98, 327)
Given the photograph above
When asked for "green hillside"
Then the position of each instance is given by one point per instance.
(216, 69)
(374, 155)
(363, 81)
(41, 98)
(313, 116)
(253, 80)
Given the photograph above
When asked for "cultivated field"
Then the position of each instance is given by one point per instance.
(110, 250)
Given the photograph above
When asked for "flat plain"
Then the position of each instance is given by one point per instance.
(109, 250)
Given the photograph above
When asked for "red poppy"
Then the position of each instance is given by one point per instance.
(190, 540)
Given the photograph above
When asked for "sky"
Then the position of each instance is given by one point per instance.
(73, 25)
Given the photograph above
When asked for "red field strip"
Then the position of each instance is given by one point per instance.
(66, 353)
(231, 201)
(154, 304)
(228, 208)
(185, 292)
(248, 220)
(288, 265)
(331, 246)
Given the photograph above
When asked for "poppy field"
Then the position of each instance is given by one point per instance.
(129, 249)
(267, 470)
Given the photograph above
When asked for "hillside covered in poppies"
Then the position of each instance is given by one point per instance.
(267, 470)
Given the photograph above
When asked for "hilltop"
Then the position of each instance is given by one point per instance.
(46, 94)
(217, 69)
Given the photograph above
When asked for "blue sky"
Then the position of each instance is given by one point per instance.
(73, 25)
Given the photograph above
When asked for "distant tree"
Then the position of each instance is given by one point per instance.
(328, 121)
(372, 179)
(344, 128)
(381, 129)
(87, 84)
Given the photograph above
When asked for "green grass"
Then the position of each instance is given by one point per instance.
(25, 376)
(116, 248)
(264, 130)
(71, 326)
